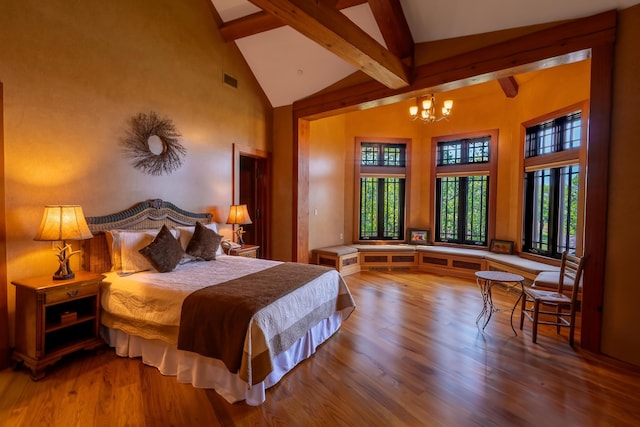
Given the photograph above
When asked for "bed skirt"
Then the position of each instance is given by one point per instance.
(204, 372)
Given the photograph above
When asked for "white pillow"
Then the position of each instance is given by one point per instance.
(185, 233)
(130, 244)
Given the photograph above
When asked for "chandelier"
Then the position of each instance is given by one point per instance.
(428, 112)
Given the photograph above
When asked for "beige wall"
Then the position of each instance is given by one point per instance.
(75, 72)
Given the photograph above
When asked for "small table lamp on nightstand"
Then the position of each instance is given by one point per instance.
(62, 223)
(238, 214)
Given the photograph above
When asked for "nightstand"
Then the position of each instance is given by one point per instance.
(55, 318)
(249, 251)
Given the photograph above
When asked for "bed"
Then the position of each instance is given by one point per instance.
(233, 324)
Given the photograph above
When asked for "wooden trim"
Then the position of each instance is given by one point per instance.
(4, 307)
(597, 165)
(509, 86)
(300, 190)
(265, 188)
(491, 167)
(559, 159)
(394, 27)
(356, 182)
(561, 44)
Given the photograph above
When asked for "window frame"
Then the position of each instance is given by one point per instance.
(555, 160)
(383, 171)
(489, 169)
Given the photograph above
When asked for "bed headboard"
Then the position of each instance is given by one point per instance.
(149, 214)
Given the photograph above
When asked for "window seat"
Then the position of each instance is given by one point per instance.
(443, 260)
(387, 257)
(345, 259)
(527, 268)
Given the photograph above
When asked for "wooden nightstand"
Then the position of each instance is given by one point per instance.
(55, 318)
(249, 251)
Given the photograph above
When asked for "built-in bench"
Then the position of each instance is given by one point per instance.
(443, 260)
(345, 259)
(387, 257)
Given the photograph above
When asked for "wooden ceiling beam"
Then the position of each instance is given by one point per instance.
(335, 32)
(393, 27)
(262, 21)
(509, 86)
(565, 43)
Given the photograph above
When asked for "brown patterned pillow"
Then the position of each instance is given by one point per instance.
(165, 252)
(204, 243)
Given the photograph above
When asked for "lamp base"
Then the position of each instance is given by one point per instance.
(239, 232)
(64, 272)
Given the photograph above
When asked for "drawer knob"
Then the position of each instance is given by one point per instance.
(73, 292)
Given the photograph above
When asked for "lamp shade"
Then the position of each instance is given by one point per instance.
(238, 214)
(63, 222)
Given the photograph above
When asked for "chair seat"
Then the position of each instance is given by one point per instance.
(549, 296)
(536, 300)
(550, 279)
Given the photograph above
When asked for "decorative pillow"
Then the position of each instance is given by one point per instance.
(130, 244)
(165, 252)
(186, 233)
(115, 248)
(204, 243)
(113, 244)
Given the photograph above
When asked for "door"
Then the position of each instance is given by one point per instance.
(252, 168)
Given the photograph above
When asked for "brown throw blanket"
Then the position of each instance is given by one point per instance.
(215, 319)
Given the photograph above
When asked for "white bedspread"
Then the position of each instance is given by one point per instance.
(149, 305)
(156, 298)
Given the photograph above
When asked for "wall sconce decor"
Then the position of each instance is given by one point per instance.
(238, 214)
(62, 223)
(428, 111)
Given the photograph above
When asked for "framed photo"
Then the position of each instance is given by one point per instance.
(501, 246)
(419, 236)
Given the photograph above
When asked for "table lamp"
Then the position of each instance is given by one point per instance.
(238, 214)
(62, 223)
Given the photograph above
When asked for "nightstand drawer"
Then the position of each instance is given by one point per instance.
(70, 292)
(247, 251)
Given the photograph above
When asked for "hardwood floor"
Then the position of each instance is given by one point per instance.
(409, 355)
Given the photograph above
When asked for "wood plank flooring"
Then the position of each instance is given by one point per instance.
(410, 355)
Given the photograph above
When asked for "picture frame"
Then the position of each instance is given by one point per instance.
(501, 246)
(419, 236)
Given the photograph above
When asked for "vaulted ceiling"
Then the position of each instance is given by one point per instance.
(298, 47)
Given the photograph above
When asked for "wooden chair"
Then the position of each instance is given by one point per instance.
(560, 304)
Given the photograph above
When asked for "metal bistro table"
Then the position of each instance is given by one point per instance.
(487, 280)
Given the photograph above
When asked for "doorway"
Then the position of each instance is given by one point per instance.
(252, 177)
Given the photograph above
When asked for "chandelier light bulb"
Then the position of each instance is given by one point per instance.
(428, 111)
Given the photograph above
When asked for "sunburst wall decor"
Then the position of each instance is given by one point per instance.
(139, 144)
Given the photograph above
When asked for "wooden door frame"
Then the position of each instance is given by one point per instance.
(243, 150)
(4, 306)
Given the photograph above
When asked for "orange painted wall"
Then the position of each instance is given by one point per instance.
(476, 108)
(75, 72)
(327, 169)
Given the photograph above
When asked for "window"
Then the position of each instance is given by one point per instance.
(464, 189)
(552, 178)
(382, 176)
